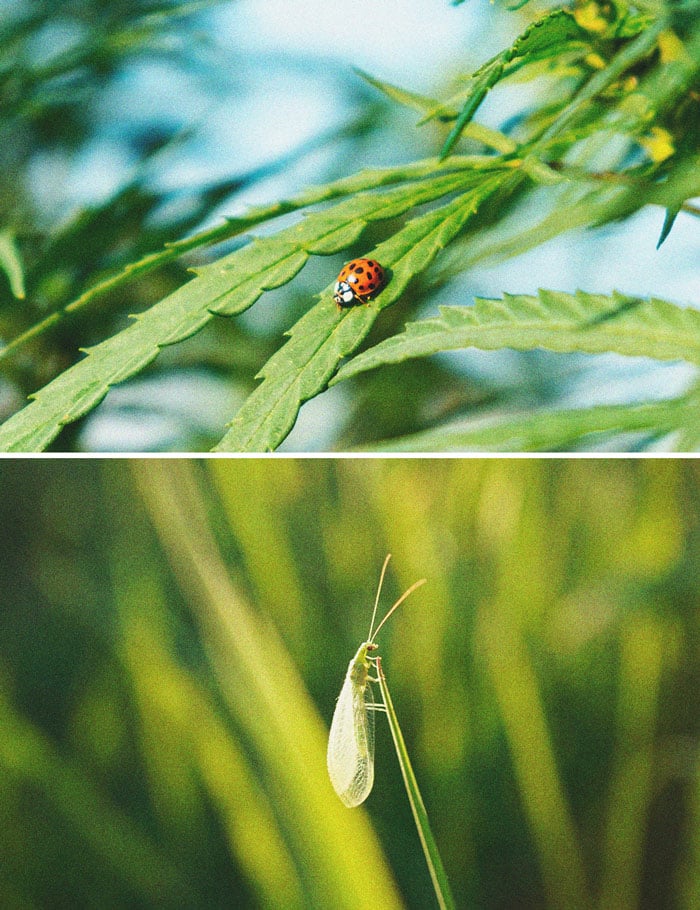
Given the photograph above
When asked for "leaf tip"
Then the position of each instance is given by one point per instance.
(667, 225)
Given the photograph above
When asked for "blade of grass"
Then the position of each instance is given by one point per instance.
(28, 756)
(282, 733)
(182, 735)
(631, 792)
(540, 783)
(443, 892)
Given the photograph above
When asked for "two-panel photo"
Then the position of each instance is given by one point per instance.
(349, 422)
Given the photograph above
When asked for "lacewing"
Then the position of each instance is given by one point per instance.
(350, 755)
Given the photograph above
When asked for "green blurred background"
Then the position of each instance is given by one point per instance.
(174, 635)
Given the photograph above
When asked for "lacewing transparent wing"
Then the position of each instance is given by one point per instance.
(350, 756)
(351, 740)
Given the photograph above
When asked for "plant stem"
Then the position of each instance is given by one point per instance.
(432, 856)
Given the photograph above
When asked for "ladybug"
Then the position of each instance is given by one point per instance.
(357, 281)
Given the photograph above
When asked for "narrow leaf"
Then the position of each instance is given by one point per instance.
(543, 39)
(412, 100)
(544, 431)
(668, 224)
(553, 320)
(482, 83)
(432, 109)
(441, 884)
(11, 264)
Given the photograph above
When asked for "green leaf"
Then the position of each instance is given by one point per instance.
(555, 321)
(226, 287)
(668, 224)
(546, 37)
(578, 108)
(371, 178)
(588, 201)
(544, 431)
(433, 109)
(688, 439)
(486, 79)
(441, 884)
(543, 39)
(322, 337)
(11, 264)
(412, 100)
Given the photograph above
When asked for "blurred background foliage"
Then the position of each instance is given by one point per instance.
(175, 634)
(127, 125)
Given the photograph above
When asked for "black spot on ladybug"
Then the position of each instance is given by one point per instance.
(352, 265)
(359, 270)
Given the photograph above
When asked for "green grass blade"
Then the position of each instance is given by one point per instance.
(29, 755)
(644, 644)
(281, 731)
(555, 321)
(542, 790)
(441, 885)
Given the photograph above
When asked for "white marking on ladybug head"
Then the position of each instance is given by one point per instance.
(343, 293)
(352, 279)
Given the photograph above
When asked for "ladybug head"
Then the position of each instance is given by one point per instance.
(343, 294)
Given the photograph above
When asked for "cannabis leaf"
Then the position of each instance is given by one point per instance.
(548, 430)
(303, 366)
(554, 321)
(226, 288)
(611, 126)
